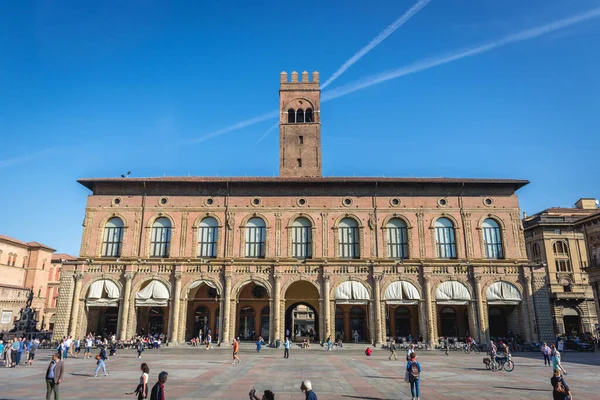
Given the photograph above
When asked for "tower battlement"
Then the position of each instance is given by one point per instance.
(301, 81)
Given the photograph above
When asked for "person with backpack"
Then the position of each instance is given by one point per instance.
(414, 376)
(560, 389)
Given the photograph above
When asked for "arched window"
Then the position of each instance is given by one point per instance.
(208, 232)
(113, 235)
(308, 116)
(397, 238)
(561, 256)
(161, 238)
(300, 116)
(492, 238)
(535, 250)
(301, 238)
(560, 248)
(255, 238)
(446, 242)
(349, 240)
(291, 116)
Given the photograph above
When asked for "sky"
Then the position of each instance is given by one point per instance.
(465, 88)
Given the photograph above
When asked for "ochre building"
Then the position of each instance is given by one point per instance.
(385, 257)
(557, 238)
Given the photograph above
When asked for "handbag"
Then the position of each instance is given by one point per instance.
(98, 357)
(560, 388)
(407, 376)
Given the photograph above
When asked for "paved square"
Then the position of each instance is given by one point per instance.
(195, 373)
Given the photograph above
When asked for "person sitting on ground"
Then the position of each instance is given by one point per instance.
(339, 343)
(368, 352)
(267, 395)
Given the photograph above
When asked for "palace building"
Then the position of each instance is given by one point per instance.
(247, 256)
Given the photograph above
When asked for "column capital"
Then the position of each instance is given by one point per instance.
(326, 276)
(277, 277)
(129, 276)
(228, 279)
(178, 277)
(477, 278)
(377, 278)
(426, 278)
(78, 277)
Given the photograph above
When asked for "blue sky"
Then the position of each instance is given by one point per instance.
(95, 89)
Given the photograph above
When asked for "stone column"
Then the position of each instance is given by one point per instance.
(175, 309)
(422, 320)
(326, 306)
(431, 335)
(483, 326)
(277, 307)
(75, 307)
(376, 287)
(532, 317)
(123, 334)
(226, 309)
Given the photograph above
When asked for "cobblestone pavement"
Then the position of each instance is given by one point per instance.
(346, 374)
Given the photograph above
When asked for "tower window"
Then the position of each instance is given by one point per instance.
(300, 116)
(301, 139)
(309, 115)
(291, 116)
(299, 163)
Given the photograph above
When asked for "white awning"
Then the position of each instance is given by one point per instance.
(351, 292)
(570, 312)
(401, 292)
(503, 293)
(200, 282)
(154, 294)
(103, 293)
(452, 292)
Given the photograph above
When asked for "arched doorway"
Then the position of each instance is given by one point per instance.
(358, 323)
(102, 307)
(453, 303)
(156, 320)
(571, 321)
(202, 310)
(152, 308)
(401, 298)
(498, 325)
(449, 322)
(352, 299)
(402, 321)
(340, 329)
(253, 298)
(301, 311)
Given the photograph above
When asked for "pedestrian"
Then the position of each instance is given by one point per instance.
(236, 348)
(200, 337)
(2, 352)
(492, 350)
(414, 376)
(54, 375)
(329, 343)
(88, 347)
(8, 352)
(556, 364)
(101, 362)
(393, 350)
(259, 344)
(158, 391)
(208, 341)
(546, 352)
(286, 348)
(140, 348)
(267, 395)
(447, 346)
(560, 389)
(68, 344)
(410, 352)
(16, 354)
(77, 345)
(306, 387)
(34, 346)
(142, 388)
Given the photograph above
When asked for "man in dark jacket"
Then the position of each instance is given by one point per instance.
(54, 375)
(158, 391)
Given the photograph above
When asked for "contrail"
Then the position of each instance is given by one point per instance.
(271, 129)
(378, 39)
(239, 125)
(430, 63)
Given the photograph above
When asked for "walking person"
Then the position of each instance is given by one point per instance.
(259, 344)
(556, 364)
(560, 389)
(77, 345)
(34, 346)
(158, 390)
(140, 348)
(54, 375)
(101, 361)
(306, 387)
(68, 344)
(142, 388)
(286, 348)
(267, 395)
(393, 350)
(88, 347)
(208, 341)
(410, 352)
(414, 376)
(546, 352)
(236, 348)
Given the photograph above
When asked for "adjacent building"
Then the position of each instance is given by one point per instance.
(590, 226)
(556, 237)
(387, 257)
(25, 267)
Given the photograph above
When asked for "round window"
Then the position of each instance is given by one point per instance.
(301, 201)
(163, 201)
(442, 202)
(395, 202)
(347, 201)
(210, 201)
(256, 201)
(488, 202)
(259, 292)
(117, 201)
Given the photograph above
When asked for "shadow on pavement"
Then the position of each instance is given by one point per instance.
(519, 388)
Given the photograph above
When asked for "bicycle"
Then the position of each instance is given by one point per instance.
(499, 363)
(471, 349)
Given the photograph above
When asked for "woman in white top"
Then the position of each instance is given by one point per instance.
(142, 389)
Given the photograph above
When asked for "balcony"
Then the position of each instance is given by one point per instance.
(570, 296)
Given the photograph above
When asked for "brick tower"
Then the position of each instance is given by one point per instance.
(300, 126)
